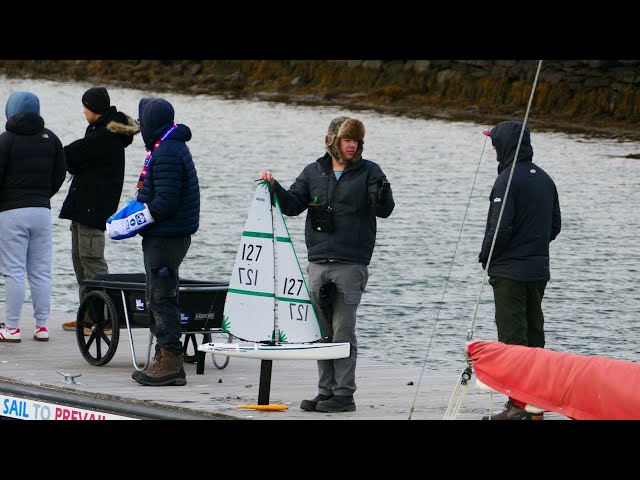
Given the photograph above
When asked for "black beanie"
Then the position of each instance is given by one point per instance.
(97, 100)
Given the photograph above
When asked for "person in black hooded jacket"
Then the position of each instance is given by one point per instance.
(518, 266)
(32, 169)
(170, 189)
(97, 163)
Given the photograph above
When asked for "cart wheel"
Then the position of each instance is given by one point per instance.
(97, 312)
(190, 341)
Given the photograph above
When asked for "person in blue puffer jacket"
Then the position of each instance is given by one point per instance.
(169, 187)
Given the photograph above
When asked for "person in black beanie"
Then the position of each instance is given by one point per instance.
(97, 100)
(96, 163)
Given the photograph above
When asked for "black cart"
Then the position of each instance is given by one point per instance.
(114, 301)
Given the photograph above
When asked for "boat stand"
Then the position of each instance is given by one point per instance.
(264, 390)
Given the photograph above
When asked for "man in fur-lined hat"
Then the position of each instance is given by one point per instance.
(343, 194)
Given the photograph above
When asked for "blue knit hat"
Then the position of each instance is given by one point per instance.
(22, 102)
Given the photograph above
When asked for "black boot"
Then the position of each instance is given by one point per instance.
(337, 403)
(310, 405)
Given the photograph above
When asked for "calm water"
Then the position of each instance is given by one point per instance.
(425, 281)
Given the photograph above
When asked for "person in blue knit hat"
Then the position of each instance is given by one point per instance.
(32, 170)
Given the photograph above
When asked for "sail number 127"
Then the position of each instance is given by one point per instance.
(291, 286)
(251, 253)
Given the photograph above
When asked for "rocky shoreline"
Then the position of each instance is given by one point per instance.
(597, 98)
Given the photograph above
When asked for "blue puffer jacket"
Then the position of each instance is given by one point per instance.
(170, 187)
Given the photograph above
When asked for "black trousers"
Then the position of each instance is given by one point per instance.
(162, 259)
(519, 317)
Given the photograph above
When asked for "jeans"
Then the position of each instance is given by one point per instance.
(162, 259)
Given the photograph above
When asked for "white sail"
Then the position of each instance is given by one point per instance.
(297, 320)
(250, 302)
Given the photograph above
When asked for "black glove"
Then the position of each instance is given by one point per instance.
(384, 192)
(483, 262)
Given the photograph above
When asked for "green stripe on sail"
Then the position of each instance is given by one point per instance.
(292, 300)
(283, 239)
(247, 292)
(257, 234)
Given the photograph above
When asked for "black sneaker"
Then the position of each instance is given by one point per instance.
(338, 403)
(510, 412)
(310, 405)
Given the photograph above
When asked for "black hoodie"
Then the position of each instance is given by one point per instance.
(32, 163)
(531, 217)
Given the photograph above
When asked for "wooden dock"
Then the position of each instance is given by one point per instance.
(54, 379)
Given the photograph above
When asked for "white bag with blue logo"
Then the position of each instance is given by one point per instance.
(129, 221)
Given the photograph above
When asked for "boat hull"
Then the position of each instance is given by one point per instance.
(282, 351)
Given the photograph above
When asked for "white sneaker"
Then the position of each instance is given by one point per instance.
(41, 334)
(11, 335)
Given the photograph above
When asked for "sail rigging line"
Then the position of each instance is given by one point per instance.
(464, 217)
(449, 414)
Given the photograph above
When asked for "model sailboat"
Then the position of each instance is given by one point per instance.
(268, 306)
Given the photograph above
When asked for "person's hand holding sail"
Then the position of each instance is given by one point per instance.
(266, 175)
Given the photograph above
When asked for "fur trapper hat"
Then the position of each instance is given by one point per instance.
(344, 127)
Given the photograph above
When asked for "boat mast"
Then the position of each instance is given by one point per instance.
(273, 199)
